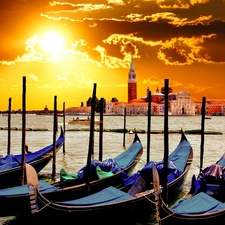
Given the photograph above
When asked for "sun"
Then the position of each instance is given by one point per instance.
(52, 43)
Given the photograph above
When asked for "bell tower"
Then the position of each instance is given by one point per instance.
(132, 82)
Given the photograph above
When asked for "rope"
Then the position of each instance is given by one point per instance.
(196, 164)
(44, 206)
(150, 200)
(171, 214)
(141, 161)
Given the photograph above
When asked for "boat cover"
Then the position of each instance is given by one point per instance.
(213, 174)
(8, 162)
(221, 161)
(30, 157)
(107, 167)
(199, 203)
(64, 175)
(11, 161)
(105, 196)
(127, 157)
(23, 189)
(177, 161)
(180, 155)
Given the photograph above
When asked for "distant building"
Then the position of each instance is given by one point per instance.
(214, 107)
(179, 103)
(132, 82)
(78, 110)
(157, 97)
(182, 105)
(45, 111)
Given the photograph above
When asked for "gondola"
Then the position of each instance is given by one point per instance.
(204, 203)
(124, 162)
(17, 202)
(135, 196)
(10, 165)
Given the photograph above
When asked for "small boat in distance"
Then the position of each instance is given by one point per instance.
(83, 121)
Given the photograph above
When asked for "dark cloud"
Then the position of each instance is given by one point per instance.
(173, 55)
(20, 20)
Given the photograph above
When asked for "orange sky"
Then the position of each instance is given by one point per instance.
(64, 47)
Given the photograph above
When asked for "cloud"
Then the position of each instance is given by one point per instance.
(110, 31)
(33, 77)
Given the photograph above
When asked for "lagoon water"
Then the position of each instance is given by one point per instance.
(77, 142)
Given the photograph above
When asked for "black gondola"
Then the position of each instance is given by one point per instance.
(204, 203)
(120, 201)
(10, 165)
(17, 202)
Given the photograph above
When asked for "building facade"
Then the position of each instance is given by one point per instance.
(182, 105)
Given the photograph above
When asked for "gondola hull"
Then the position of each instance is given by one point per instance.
(17, 201)
(38, 159)
(169, 217)
(204, 203)
(141, 204)
(118, 201)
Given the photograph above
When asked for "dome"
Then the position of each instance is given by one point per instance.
(157, 93)
(169, 90)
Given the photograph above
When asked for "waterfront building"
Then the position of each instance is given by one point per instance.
(157, 96)
(179, 103)
(82, 110)
(182, 105)
(214, 107)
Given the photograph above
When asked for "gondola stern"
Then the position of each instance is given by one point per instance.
(183, 136)
(157, 191)
(32, 184)
(136, 138)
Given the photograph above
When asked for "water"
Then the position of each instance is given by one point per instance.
(77, 142)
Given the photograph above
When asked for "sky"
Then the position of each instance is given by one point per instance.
(63, 47)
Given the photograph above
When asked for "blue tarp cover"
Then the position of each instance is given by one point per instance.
(107, 167)
(20, 190)
(221, 161)
(180, 155)
(127, 157)
(106, 196)
(8, 162)
(30, 157)
(177, 161)
(213, 174)
(200, 203)
(11, 161)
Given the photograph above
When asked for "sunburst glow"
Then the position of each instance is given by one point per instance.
(52, 43)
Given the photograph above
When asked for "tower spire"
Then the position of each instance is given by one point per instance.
(132, 64)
